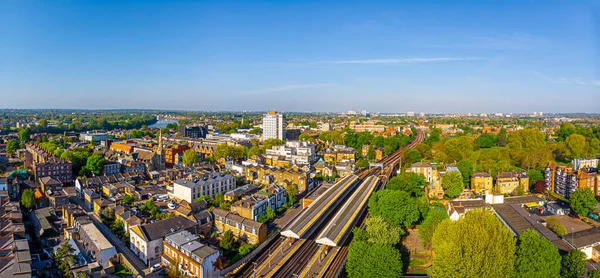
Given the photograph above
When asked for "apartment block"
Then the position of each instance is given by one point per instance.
(508, 182)
(242, 228)
(482, 183)
(209, 186)
(274, 126)
(273, 175)
(192, 257)
(564, 180)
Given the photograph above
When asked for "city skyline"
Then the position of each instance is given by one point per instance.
(326, 57)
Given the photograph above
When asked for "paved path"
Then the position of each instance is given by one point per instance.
(121, 247)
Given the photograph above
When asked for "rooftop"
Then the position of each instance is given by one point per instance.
(96, 236)
(161, 228)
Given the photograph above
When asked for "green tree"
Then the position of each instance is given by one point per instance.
(555, 226)
(411, 156)
(190, 157)
(534, 176)
(306, 137)
(24, 135)
(396, 207)
(582, 201)
(452, 182)
(267, 216)
(486, 140)
(11, 147)
(594, 274)
(573, 264)
(381, 231)
(410, 182)
(254, 151)
(427, 229)
(108, 213)
(575, 144)
(292, 192)
(360, 234)
(536, 257)
(227, 240)
(28, 199)
(245, 249)
(458, 148)
(502, 138)
(373, 260)
(566, 130)
(128, 199)
(95, 164)
(466, 170)
(477, 245)
(205, 198)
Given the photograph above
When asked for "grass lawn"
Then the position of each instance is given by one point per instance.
(418, 262)
(122, 270)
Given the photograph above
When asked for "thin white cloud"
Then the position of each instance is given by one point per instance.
(565, 80)
(404, 60)
(287, 88)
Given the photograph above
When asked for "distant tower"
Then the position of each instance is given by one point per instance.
(161, 158)
(273, 126)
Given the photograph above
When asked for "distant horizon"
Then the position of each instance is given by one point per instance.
(301, 56)
(298, 112)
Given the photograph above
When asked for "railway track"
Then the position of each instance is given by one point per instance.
(309, 248)
(339, 260)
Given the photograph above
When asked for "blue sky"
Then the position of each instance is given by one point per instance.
(384, 56)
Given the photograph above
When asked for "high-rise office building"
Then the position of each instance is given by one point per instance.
(273, 126)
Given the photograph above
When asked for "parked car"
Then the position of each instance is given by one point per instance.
(156, 268)
(172, 206)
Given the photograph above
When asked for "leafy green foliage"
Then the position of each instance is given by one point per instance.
(534, 176)
(575, 144)
(245, 249)
(128, 199)
(594, 274)
(11, 147)
(227, 241)
(190, 157)
(28, 199)
(224, 151)
(486, 140)
(24, 135)
(582, 201)
(108, 213)
(536, 257)
(267, 216)
(555, 226)
(466, 170)
(477, 245)
(396, 207)
(95, 164)
(411, 156)
(410, 182)
(373, 260)
(427, 229)
(573, 264)
(452, 183)
(382, 232)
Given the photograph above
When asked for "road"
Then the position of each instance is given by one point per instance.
(119, 245)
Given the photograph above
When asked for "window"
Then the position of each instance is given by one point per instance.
(156, 250)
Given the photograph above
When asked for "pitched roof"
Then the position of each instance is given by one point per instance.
(159, 229)
(481, 175)
(584, 238)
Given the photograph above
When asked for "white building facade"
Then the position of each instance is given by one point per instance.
(273, 126)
